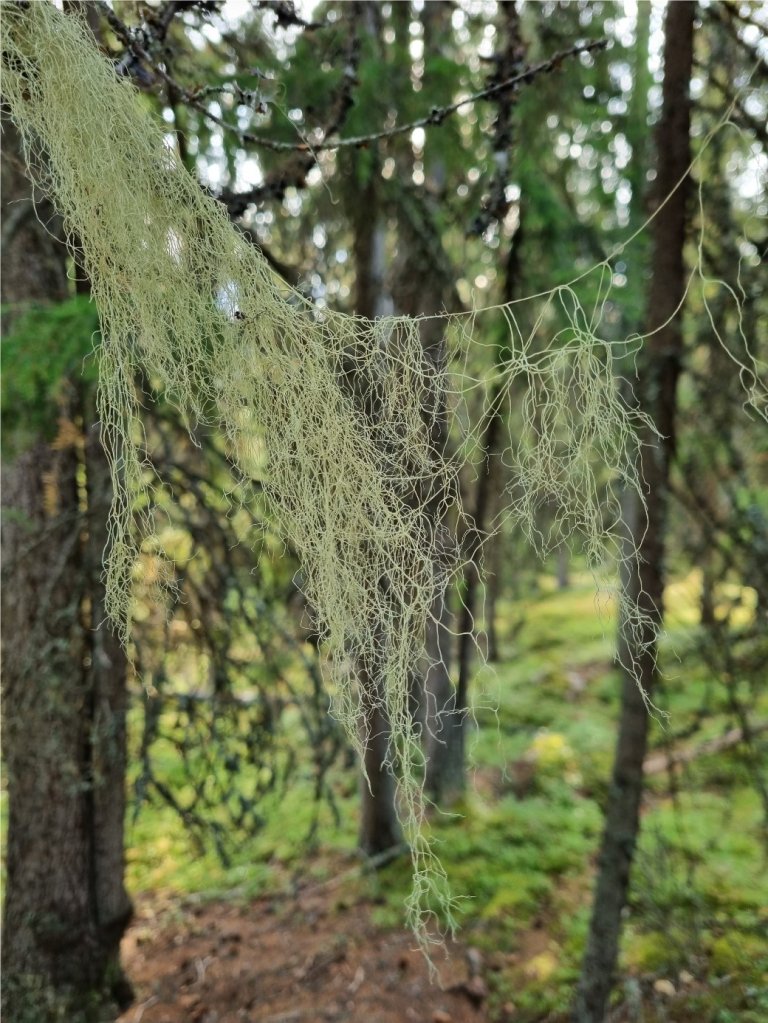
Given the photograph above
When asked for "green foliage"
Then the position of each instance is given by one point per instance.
(48, 349)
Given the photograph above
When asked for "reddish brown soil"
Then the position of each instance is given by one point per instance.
(274, 961)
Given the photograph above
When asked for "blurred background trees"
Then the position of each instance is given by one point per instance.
(221, 698)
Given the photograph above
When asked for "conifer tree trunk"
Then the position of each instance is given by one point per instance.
(380, 829)
(64, 681)
(423, 284)
(508, 61)
(639, 138)
(660, 372)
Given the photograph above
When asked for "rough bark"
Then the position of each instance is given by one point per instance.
(107, 666)
(660, 372)
(64, 683)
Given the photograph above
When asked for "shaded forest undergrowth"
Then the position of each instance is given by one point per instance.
(294, 931)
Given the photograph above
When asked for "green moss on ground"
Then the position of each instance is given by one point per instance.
(522, 851)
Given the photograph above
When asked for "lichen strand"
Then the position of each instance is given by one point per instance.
(341, 404)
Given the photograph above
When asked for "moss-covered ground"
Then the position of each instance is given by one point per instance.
(521, 850)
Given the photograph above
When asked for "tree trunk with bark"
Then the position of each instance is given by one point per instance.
(380, 829)
(64, 680)
(508, 61)
(422, 286)
(658, 385)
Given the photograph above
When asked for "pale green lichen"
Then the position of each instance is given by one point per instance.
(342, 405)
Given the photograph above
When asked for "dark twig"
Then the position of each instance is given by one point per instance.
(753, 124)
(286, 16)
(436, 116)
(728, 16)
(293, 172)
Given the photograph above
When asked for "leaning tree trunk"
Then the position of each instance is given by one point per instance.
(660, 372)
(64, 679)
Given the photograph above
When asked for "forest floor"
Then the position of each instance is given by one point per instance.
(293, 930)
(311, 958)
(319, 955)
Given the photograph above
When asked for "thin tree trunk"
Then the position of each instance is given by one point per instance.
(492, 599)
(422, 285)
(639, 138)
(434, 696)
(660, 374)
(380, 828)
(563, 566)
(507, 62)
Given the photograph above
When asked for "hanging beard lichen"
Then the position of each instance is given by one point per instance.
(343, 405)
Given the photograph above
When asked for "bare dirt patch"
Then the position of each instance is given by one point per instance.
(275, 961)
